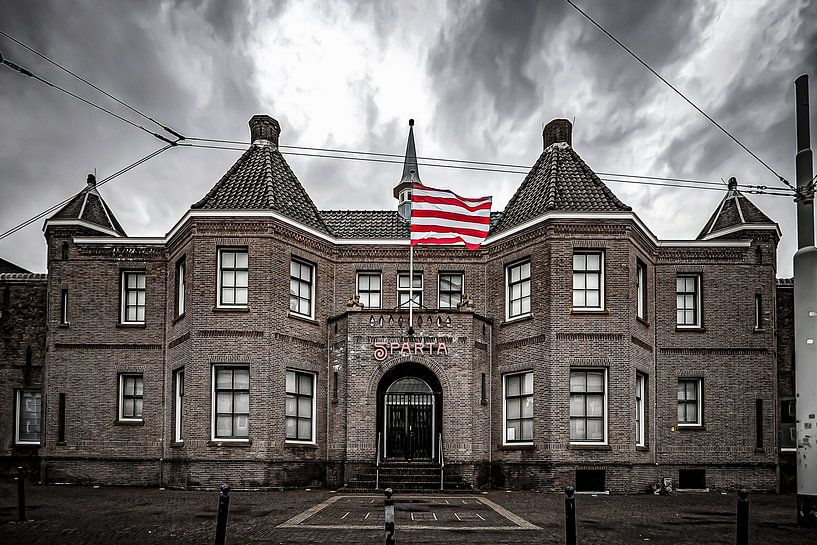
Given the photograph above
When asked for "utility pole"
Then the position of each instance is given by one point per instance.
(805, 316)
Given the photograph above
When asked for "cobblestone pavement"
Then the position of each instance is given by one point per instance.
(124, 515)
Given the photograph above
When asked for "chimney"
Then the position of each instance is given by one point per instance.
(558, 130)
(733, 183)
(91, 181)
(264, 130)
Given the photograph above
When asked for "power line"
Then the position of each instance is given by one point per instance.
(679, 93)
(107, 94)
(461, 167)
(30, 74)
(462, 161)
(99, 183)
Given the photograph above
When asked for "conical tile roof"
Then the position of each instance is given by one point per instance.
(560, 180)
(262, 180)
(89, 206)
(734, 210)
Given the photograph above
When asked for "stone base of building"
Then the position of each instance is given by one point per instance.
(545, 477)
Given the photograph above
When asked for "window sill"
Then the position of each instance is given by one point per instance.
(642, 448)
(690, 329)
(760, 330)
(229, 443)
(589, 311)
(129, 423)
(237, 308)
(300, 444)
(177, 444)
(515, 446)
(20, 444)
(642, 321)
(131, 325)
(178, 318)
(588, 446)
(66, 325)
(690, 427)
(515, 319)
(303, 318)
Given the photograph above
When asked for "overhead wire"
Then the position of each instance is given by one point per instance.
(84, 80)
(679, 93)
(30, 74)
(105, 180)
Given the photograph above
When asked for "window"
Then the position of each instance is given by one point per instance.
(178, 406)
(591, 480)
(27, 417)
(300, 406)
(691, 479)
(758, 423)
(688, 300)
(131, 394)
(64, 250)
(133, 298)
(641, 290)
(588, 279)
(61, 420)
(368, 288)
(181, 285)
(450, 290)
(587, 406)
(689, 402)
(519, 407)
(788, 426)
(64, 307)
(640, 390)
(758, 311)
(483, 397)
(518, 292)
(233, 278)
(300, 288)
(403, 290)
(232, 402)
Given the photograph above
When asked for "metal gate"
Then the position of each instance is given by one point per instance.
(409, 426)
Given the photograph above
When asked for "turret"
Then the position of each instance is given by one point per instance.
(411, 174)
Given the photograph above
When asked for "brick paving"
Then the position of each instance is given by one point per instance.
(124, 515)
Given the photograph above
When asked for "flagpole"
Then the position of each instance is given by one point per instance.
(411, 289)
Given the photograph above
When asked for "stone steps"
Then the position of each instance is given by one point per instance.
(407, 477)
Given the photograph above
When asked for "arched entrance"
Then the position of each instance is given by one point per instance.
(409, 413)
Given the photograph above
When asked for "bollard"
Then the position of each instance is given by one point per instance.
(389, 517)
(223, 507)
(21, 494)
(570, 516)
(743, 517)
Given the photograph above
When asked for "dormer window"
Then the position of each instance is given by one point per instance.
(405, 196)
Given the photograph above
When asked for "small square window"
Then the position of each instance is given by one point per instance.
(233, 278)
(450, 290)
(588, 280)
(403, 290)
(131, 396)
(688, 300)
(369, 289)
(517, 289)
(301, 288)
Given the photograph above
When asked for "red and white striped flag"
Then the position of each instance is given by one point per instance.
(439, 216)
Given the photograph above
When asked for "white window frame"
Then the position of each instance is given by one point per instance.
(379, 275)
(219, 274)
(121, 401)
(439, 285)
(417, 293)
(181, 286)
(508, 267)
(758, 311)
(18, 398)
(601, 273)
(640, 405)
(505, 440)
(313, 280)
(214, 403)
(640, 289)
(123, 313)
(698, 278)
(178, 405)
(314, 377)
(700, 403)
(605, 422)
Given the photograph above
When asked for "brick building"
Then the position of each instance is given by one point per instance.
(264, 342)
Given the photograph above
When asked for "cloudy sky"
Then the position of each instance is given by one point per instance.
(480, 78)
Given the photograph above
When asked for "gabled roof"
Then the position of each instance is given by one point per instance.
(734, 211)
(9, 267)
(89, 206)
(262, 180)
(370, 224)
(560, 180)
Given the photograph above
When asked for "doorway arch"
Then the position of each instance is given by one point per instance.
(409, 413)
